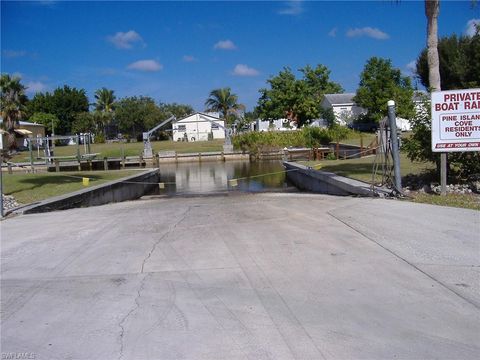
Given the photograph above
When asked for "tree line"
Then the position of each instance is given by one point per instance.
(66, 110)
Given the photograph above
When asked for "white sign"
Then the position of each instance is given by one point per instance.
(456, 120)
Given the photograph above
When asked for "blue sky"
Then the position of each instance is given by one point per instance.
(180, 51)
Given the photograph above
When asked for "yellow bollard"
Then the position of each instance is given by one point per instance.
(233, 182)
(161, 185)
(85, 181)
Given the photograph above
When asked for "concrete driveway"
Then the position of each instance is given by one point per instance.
(266, 276)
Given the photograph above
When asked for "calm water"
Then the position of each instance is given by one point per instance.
(213, 177)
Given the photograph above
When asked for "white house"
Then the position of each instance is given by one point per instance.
(343, 106)
(274, 125)
(198, 127)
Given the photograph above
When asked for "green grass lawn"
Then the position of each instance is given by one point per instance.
(466, 201)
(115, 150)
(28, 188)
(361, 169)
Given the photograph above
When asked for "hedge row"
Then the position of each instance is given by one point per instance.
(255, 142)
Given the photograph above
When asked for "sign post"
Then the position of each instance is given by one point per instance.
(455, 124)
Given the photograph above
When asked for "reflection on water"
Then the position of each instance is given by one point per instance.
(210, 177)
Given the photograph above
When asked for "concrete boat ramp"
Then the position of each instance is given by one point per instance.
(265, 276)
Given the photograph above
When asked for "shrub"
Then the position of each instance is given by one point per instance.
(315, 136)
(306, 137)
(100, 138)
(331, 156)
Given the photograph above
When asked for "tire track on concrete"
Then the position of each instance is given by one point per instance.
(219, 311)
(290, 328)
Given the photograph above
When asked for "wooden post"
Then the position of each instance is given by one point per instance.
(157, 161)
(57, 165)
(90, 165)
(123, 162)
(105, 163)
(9, 167)
(344, 155)
(140, 161)
(337, 150)
(443, 174)
(361, 145)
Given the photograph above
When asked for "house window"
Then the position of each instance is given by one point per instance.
(182, 127)
(214, 126)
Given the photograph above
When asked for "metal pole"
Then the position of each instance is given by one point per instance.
(395, 150)
(31, 153)
(78, 148)
(1, 187)
(443, 174)
(53, 137)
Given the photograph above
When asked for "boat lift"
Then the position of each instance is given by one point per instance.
(147, 145)
(48, 145)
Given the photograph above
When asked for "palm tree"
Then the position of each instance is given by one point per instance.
(104, 106)
(432, 9)
(12, 105)
(223, 101)
(105, 100)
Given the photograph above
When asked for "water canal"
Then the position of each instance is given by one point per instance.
(213, 177)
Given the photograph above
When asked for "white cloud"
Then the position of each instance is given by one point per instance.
(125, 40)
(333, 32)
(14, 53)
(189, 58)
(225, 45)
(244, 70)
(146, 65)
(471, 29)
(412, 66)
(292, 8)
(34, 87)
(369, 32)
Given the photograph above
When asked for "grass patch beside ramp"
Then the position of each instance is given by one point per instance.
(28, 188)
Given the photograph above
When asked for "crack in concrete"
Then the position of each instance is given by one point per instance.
(163, 237)
(124, 319)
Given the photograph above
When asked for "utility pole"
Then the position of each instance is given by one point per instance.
(392, 122)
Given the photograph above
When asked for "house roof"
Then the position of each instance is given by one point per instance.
(199, 113)
(24, 123)
(336, 99)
